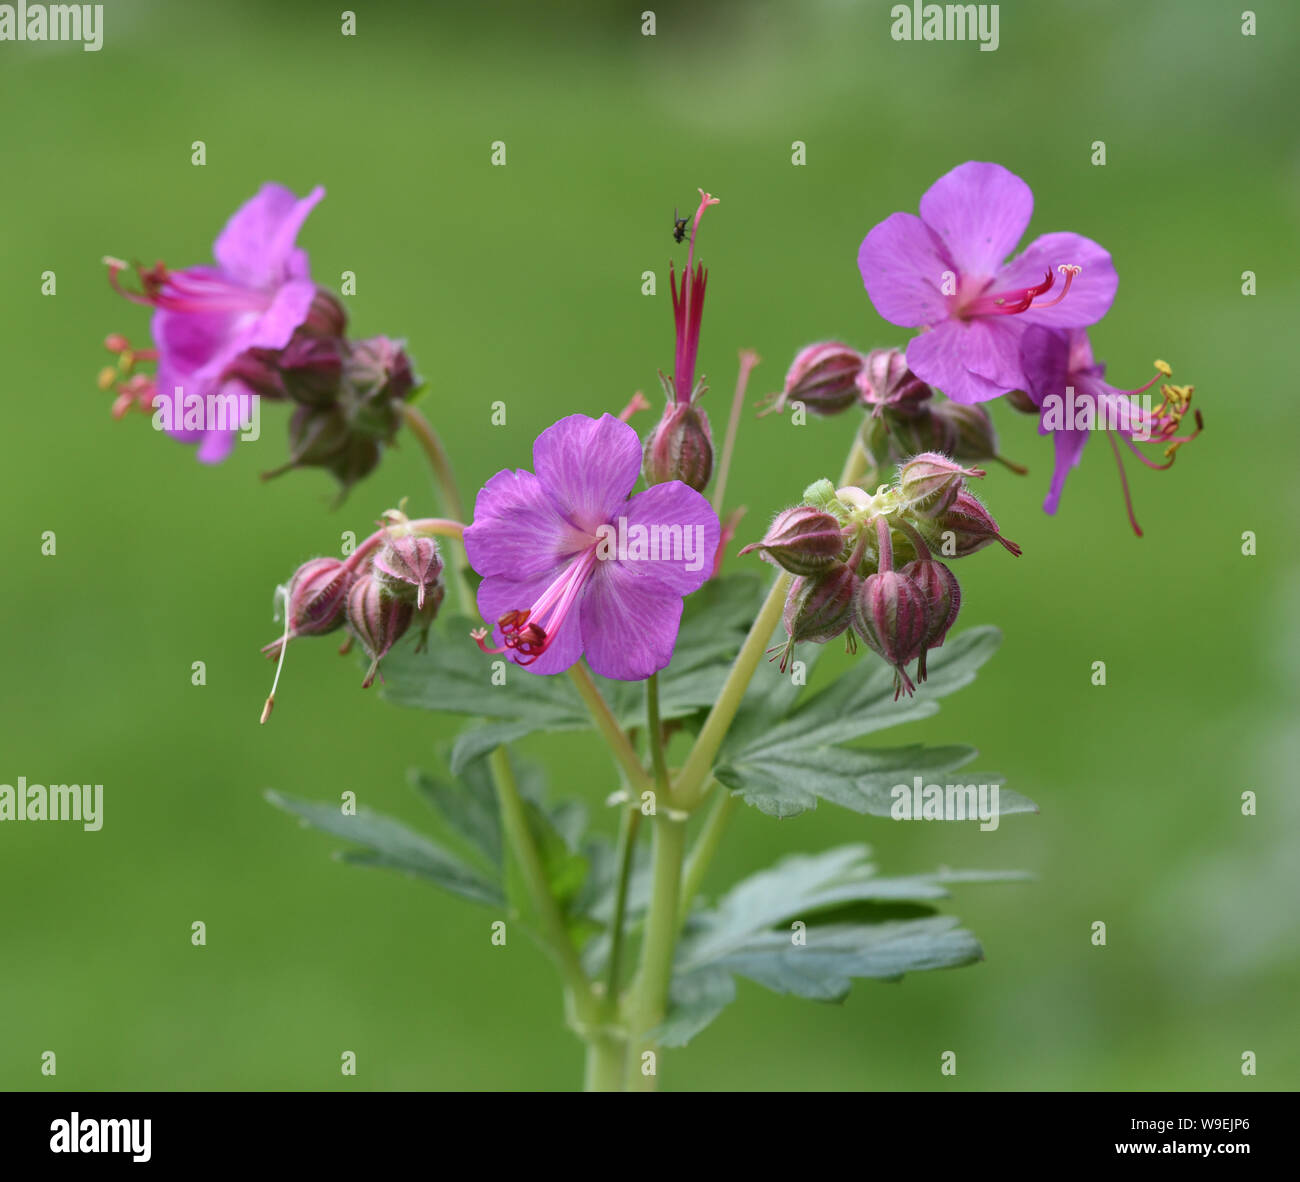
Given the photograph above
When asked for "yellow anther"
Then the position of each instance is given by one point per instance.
(1164, 368)
(107, 376)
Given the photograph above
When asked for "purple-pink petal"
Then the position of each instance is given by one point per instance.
(1069, 447)
(257, 245)
(979, 212)
(686, 529)
(990, 349)
(936, 358)
(1091, 292)
(629, 626)
(903, 264)
(498, 595)
(517, 530)
(588, 466)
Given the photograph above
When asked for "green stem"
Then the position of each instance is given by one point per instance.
(515, 821)
(607, 724)
(445, 480)
(748, 359)
(656, 734)
(706, 845)
(626, 844)
(651, 999)
(606, 1056)
(695, 773)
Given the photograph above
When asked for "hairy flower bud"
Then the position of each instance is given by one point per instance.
(311, 368)
(930, 482)
(409, 567)
(802, 540)
(316, 595)
(377, 379)
(326, 317)
(818, 608)
(680, 448)
(890, 613)
(377, 618)
(942, 595)
(973, 435)
(965, 527)
(885, 381)
(823, 377)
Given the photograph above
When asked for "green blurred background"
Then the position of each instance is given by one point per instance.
(523, 284)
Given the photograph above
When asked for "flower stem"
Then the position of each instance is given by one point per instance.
(706, 845)
(515, 821)
(748, 359)
(445, 480)
(614, 735)
(626, 844)
(655, 732)
(655, 977)
(606, 1055)
(694, 776)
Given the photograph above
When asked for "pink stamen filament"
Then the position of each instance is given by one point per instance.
(531, 631)
(1123, 480)
(1012, 303)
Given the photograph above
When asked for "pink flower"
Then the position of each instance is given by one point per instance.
(206, 318)
(945, 271)
(572, 565)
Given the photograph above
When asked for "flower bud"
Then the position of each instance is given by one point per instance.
(311, 368)
(973, 435)
(326, 317)
(259, 370)
(358, 458)
(377, 618)
(930, 482)
(942, 595)
(315, 602)
(822, 377)
(818, 608)
(885, 381)
(316, 436)
(891, 615)
(965, 527)
(378, 370)
(802, 540)
(680, 448)
(1021, 401)
(425, 615)
(408, 567)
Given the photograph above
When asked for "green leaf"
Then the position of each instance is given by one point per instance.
(856, 925)
(453, 676)
(783, 756)
(391, 845)
(468, 807)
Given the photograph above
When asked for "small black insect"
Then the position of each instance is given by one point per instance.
(679, 227)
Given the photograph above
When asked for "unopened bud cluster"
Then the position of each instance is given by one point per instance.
(392, 581)
(904, 415)
(868, 566)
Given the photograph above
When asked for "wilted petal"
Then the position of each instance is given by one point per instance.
(979, 212)
(1069, 447)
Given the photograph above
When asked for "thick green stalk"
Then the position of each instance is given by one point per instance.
(651, 996)
(706, 845)
(445, 481)
(694, 777)
(554, 932)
